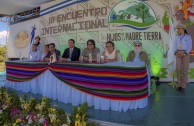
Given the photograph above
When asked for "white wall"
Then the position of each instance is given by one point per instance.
(14, 30)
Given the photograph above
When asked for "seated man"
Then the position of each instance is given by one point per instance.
(137, 55)
(34, 54)
(51, 51)
(72, 53)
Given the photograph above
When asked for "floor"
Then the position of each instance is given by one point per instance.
(167, 107)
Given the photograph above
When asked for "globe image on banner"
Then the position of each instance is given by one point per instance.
(22, 39)
(134, 14)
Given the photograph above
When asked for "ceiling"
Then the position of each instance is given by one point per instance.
(11, 7)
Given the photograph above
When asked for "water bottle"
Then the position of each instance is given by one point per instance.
(98, 57)
(102, 59)
(119, 57)
(90, 57)
(20, 56)
(31, 57)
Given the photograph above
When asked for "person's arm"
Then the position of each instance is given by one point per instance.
(84, 55)
(63, 56)
(128, 57)
(189, 44)
(116, 56)
(58, 55)
(96, 53)
(105, 58)
(175, 45)
(39, 56)
(77, 55)
(47, 57)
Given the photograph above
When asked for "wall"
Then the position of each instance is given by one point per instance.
(20, 36)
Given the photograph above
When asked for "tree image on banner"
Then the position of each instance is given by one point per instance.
(143, 13)
(134, 14)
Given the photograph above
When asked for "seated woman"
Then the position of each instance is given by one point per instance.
(137, 55)
(90, 50)
(110, 54)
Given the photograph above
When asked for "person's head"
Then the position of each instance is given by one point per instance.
(71, 43)
(46, 48)
(34, 47)
(52, 47)
(37, 39)
(181, 29)
(137, 45)
(90, 44)
(110, 46)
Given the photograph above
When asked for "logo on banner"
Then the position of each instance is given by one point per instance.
(21, 39)
(134, 14)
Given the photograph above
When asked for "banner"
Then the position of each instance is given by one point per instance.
(120, 21)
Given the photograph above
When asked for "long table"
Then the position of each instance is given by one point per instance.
(115, 86)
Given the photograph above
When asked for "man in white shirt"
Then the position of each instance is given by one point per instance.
(35, 55)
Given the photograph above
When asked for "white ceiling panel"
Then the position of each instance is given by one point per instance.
(11, 7)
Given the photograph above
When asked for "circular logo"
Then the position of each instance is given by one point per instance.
(22, 39)
(134, 14)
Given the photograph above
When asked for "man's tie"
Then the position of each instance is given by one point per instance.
(70, 52)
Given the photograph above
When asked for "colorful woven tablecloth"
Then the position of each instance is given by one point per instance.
(110, 82)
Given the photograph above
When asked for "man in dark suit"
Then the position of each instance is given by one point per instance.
(72, 53)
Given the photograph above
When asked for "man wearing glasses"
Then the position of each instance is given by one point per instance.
(137, 55)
